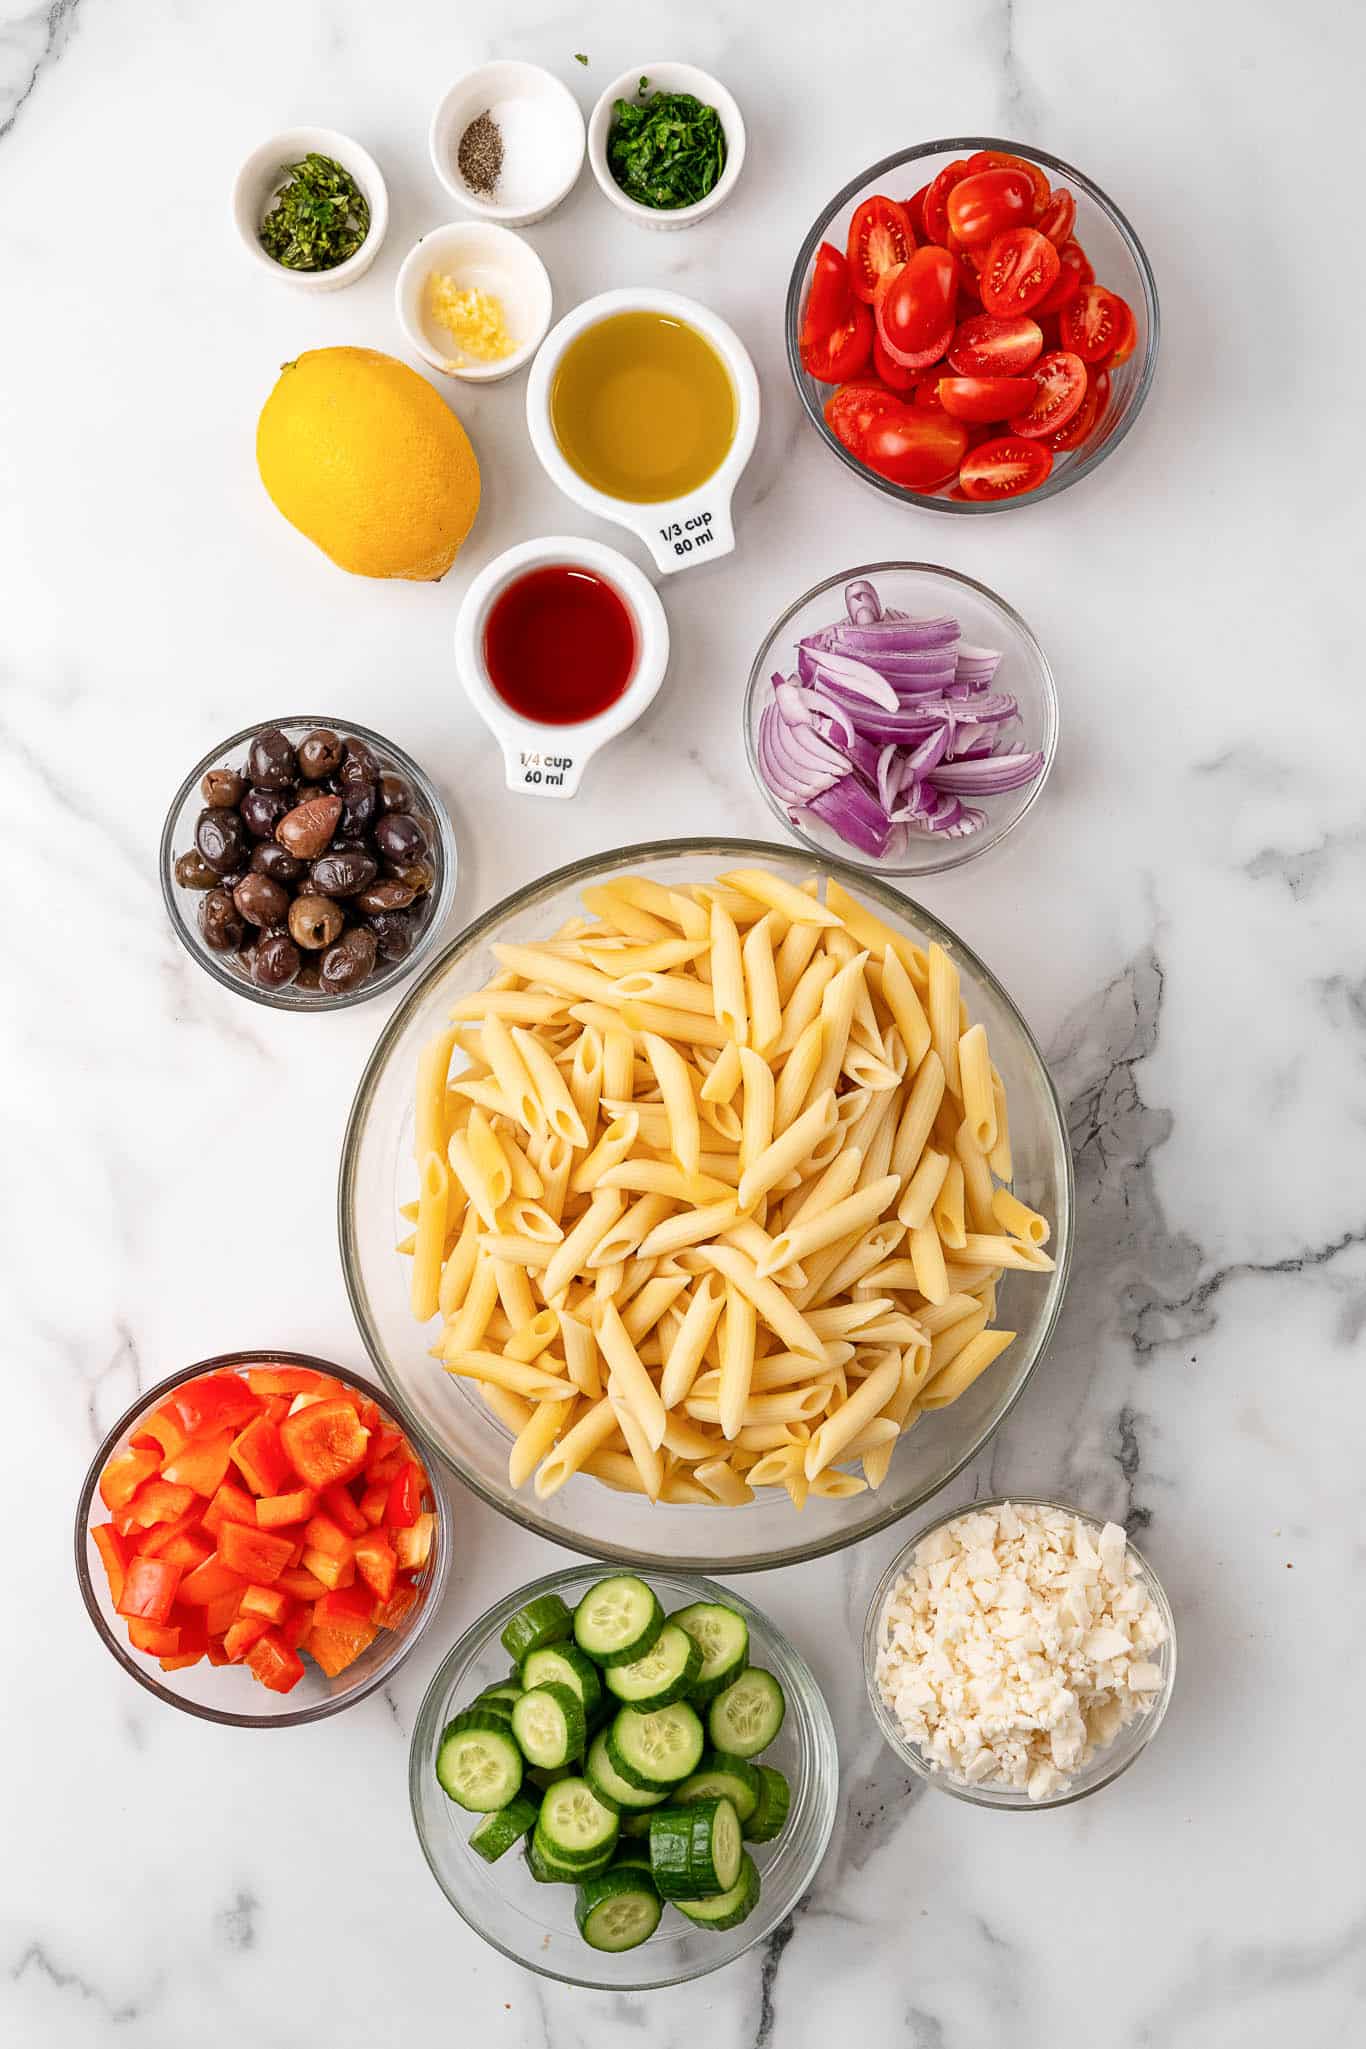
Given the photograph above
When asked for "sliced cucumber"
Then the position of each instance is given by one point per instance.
(498, 1699)
(573, 1826)
(655, 1750)
(635, 1823)
(696, 1850)
(633, 1856)
(726, 1909)
(542, 1621)
(547, 1869)
(617, 1620)
(748, 1715)
(723, 1637)
(566, 1664)
(497, 1833)
(544, 1779)
(548, 1724)
(477, 1763)
(618, 1911)
(667, 1671)
(719, 1777)
(611, 1788)
(770, 1816)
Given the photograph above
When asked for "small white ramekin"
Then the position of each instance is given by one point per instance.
(475, 94)
(665, 77)
(549, 760)
(261, 177)
(475, 253)
(678, 532)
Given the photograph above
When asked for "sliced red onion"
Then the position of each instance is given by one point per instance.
(927, 755)
(851, 811)
(971, 743)
(991, 777)
(897, 636)
(797, 762)
(888, 775)
(862, 602)
(858, 678)
(970, 821)
(943, 812)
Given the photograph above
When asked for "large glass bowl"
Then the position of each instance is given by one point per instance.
(378, 1174)
(228, 1694)
(534, 1924)
(1110, 243)
(1106, 1766)
(924, 590)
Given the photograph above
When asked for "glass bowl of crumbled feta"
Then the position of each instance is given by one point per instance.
(1019, 1653)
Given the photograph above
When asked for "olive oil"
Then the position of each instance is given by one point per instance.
(643, 407)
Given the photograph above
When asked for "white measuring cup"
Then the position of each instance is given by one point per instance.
(548, 759)
(677, 531)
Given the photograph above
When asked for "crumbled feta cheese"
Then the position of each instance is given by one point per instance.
(1017, 1646)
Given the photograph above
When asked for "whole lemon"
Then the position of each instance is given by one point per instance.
(361, 455)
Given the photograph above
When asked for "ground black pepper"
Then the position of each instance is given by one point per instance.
(480, 155)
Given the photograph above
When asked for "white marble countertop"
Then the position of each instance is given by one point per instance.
(1181, 920)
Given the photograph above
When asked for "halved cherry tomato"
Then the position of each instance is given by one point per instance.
(880, 237)
(893, 374)
(986, 203)
(914, 308)
(1059, 389)
(915, 447)
(1004, 468)
(1075, 274)
(1059, 217)
(969, 273)
(1127, 342)
(1021, 269)
(837, 329)
(1000, 159)
(987, 347)
(915, 212)
(936, 200)
(926, 393)
(1094, 324)
(1084, 418)
(984, 398)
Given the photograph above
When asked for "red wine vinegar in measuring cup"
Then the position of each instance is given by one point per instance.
(559, 644)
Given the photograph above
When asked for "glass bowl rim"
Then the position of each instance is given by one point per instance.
(224, 1362)
(482, 1628)
(1009, 1800)
(956, 853)
(576, 873)
(285, 999)
(1060, 479)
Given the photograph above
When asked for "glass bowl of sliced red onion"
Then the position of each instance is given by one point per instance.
(901, 715)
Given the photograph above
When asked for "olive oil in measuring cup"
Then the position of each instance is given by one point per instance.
(643, 407)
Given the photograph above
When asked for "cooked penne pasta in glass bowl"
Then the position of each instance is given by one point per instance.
(706, 1201)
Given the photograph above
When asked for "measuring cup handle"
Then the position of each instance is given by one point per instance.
(537, 772)
(705, 532)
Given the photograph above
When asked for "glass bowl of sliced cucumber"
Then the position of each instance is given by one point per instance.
(623, 1782)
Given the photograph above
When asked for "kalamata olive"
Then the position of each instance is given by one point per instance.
(310, 975)
(358, 764)
(261, 901)
(192, 871)
(275, 961)
(222, 787)
(308, 828)
(221, 839)
(399, 837)
(342, 873)
(315, 921)
(394, 933)
(394, 793)
(268, 857)
(320, 754)
(347, 964)
(261, 811)
(360, 807)
(385, 894)
(220, 921)
(419, 875)
(272, 763)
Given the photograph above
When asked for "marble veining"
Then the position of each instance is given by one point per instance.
(1180, 920)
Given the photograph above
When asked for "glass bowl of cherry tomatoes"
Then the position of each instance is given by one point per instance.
(971, 324)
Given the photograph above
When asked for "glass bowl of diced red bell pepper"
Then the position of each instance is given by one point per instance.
(259, 1542)
(972, 324)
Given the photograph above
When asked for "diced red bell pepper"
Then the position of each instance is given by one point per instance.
(152, 1543)
(149, 1588)
(300, 1585)
(324, 1443)
(276, 1408)
(231, 1504)
(297, 1553)
(388, 1468)
(322, 1534)
(377, 1563)
(384, 1443)
(212, 1580)
(259, 1555)
(339, 1610)
(216, 1401)
(413, 1547)
(178, 1661)
(266, 1601)
(203, 1463)
(296, 1625)
(275, 1511)
(115, 1552)
(123, 1475)
(156, 1501)
(166, 1431)
(373, 1503)
(405, 1497)
(291, 1380)
(187, 1549)
(259, 1456)
(245, 1631)
(333, 1572)
(216, 1653)
(275, 1663)
(340, 1504)
(389, 1614)
(221, 1612)
(160, 1639)
(369, 1413)
(334, 1646)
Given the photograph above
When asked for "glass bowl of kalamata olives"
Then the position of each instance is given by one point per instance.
(308, 863)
